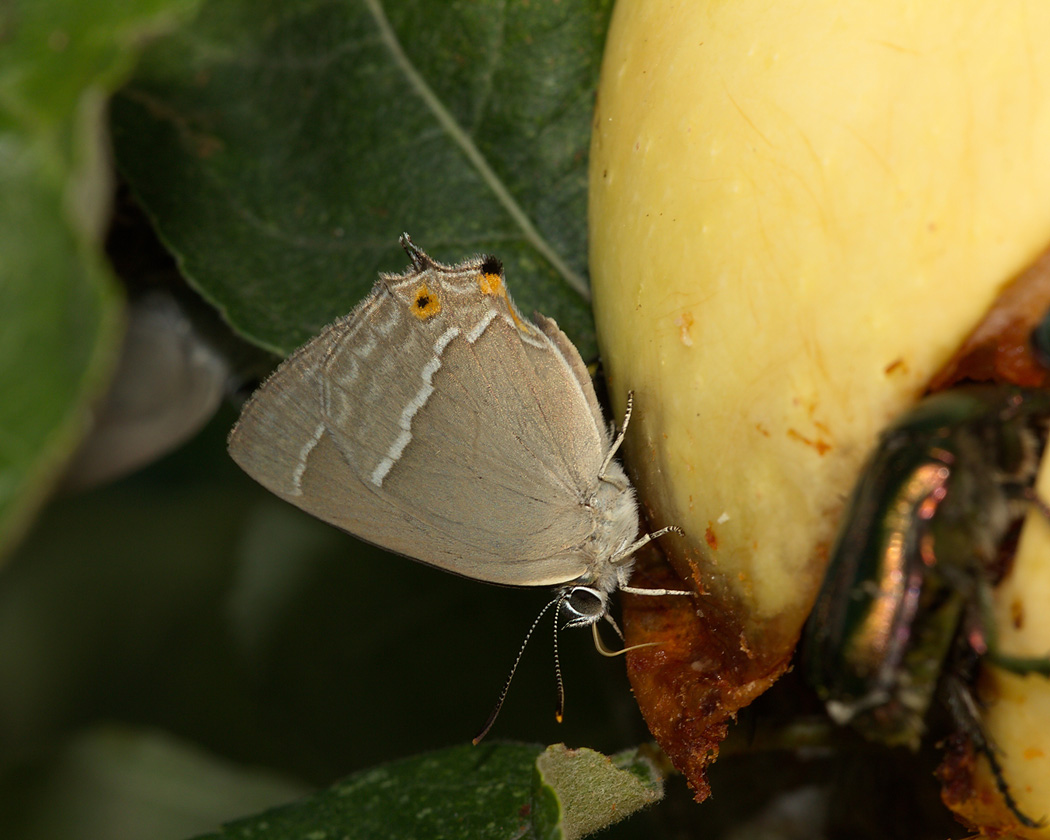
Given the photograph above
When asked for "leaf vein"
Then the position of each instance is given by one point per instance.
(456, 133)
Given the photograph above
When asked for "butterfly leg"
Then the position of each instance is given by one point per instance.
(619, 437)
(643, 541)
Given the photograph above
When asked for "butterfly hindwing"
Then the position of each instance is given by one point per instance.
(436, 422)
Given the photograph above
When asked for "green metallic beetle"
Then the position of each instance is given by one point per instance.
(907, 595)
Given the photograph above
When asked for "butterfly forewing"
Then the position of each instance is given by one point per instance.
(433, 421)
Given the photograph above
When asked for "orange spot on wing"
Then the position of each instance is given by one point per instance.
(492, 284)
(426, 304)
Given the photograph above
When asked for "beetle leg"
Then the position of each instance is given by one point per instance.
(963, 706)
(1020, 665)
(1008, 662)
(1041, 505)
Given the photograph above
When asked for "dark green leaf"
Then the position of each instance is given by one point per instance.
(489, 791)
(59, 60)
(282, 148)
(467, 791)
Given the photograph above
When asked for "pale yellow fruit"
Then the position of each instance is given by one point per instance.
(1018, 716)
(798, 211)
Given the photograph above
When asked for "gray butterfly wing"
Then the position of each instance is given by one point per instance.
(466, 440)
(567, 350)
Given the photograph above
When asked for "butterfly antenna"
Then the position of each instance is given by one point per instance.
(506, 686)
(559, 710)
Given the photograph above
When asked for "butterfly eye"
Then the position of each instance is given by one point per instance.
(585, 604)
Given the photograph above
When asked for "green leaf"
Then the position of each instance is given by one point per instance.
(60, 59)
(467, 791)
(282, 148)
(489, 791)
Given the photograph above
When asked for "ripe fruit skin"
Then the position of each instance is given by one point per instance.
(797, 215)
